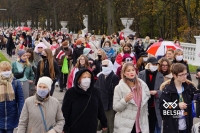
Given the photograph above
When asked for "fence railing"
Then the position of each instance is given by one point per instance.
(189, 52)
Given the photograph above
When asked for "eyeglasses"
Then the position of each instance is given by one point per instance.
(40, 47)
(185, 74)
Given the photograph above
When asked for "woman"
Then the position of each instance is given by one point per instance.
(125, 50)
(142, 61)
(82, 105)
(48, 67)
(146, 42)
(130, 102)
(115, 44)
(22, 45)
(139, 47)
(106, 83)
(178, 58)
(10, 44)
(11, 99)
(20, 65)
(170, 55)
(180, 91)
(39, 106)
(198, 87)
(101, 55)
(82, 63)
(153, 79)
(30, 56)
(164, 68)
(109, 50)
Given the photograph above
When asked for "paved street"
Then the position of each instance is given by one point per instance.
(60, 95)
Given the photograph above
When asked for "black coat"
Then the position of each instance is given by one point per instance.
(29, 41)
(106, 87)
(46, 71)
(186, 64)
(170, 94)
(198, 103)
(76, 54)
(10, 44)
(74, 102)
(98, 68)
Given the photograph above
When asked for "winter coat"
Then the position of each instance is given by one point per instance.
(31, 118)
(198, 103)
(10, 110)
(68, 53)
(76, 54)
(168, 76)
(28, 72)
(186, 64)
(127, 111)
(109, 52)
(75, 101)
(158, 81)
(46, 71)
(106, 87)
(139, 48)
(36, 59)
(29, 41)
(170, 94)
(10, 44)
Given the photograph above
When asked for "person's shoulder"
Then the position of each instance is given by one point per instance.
(190, 83)
(165, 84)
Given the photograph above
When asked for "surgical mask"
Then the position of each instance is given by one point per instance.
(42, 92)
(153, 68)
(22, 60)
(78, 46)
(85, 83)
(6, 74)
(21, 42)
(106, 46)
(145, 59)
(106, 70)
(179, 57)
(59, 40)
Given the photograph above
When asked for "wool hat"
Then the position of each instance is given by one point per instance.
(152, 60)
(79, 41)
(21, 52)
(126, 56)
(45, 80)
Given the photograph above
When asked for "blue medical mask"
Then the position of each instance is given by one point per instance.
(22, 61)
(42, 93)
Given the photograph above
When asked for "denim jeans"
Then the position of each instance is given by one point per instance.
(6, 131)
(157, 128)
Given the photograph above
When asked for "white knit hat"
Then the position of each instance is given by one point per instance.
(45, 80)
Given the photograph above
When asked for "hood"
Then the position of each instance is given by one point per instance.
(86, 51)
(169, 76)
(78, 75)
(40, 44)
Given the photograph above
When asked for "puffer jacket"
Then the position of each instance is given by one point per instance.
(11, 110)
(127, 111)
(31, 119)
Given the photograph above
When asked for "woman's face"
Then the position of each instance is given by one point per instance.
(44, 53)
(84, 75)
(82, 61)
(169, 55)
(127, 49)
(164, 66)
(130, 72)
(99, 52)
(179, 53)
(40, 49)
(43, 86)
(28, 55)
(24, 57)
(107, 45)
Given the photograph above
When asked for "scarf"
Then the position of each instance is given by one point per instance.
(6, 90)
(40, 99)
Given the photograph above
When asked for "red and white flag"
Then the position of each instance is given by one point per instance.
(60, 54)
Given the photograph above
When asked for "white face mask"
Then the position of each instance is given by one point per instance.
(21, 42)
(54, 44)
(85, 83)
(59, 40)
(145, 59)
(78, 46)
(106, 46)
(106, 70)
(179, 57)
(6, 74)
(153, 68)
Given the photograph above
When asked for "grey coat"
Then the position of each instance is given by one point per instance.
(159, 80)
(31, 119)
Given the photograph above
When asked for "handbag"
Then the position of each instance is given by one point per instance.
(19, 75)
(44, 122)
(65, 68)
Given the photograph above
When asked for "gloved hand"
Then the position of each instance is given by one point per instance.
(51, 131)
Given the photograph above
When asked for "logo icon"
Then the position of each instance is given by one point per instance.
(170, 104)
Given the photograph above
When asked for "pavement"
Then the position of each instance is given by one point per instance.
(59, 95)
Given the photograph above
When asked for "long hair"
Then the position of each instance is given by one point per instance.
(103, 54)
(139, 62)
(51, 64)
(106, 42)
(31, 52)
(78, 64)
(136, 82)
(160, 66)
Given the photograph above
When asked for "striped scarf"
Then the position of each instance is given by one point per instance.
(6, 89)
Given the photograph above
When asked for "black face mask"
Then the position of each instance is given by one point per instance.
(132, 80)
(66, 48)
(127, 51)
(43, 57)
(99, 57)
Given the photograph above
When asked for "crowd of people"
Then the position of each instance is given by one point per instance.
(111, 84)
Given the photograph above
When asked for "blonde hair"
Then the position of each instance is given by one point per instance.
(103, 54)
(5, 65)
(176, 52)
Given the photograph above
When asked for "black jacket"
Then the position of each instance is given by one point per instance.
(76, 53)
(98, 68)
(46, 71)
(29, 41)
(170, 94)
(106, 87)
(10, 44)
(186, 64)
(74, 102)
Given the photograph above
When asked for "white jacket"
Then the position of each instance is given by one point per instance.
(126, 112)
